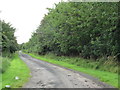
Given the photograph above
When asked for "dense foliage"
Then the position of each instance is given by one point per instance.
(8, 45)
(73, 28)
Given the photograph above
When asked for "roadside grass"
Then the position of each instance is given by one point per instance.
(104, 76)
(4, 63)
(17, 68)
(0, 81)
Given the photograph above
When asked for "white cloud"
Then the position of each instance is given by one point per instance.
(24, 15)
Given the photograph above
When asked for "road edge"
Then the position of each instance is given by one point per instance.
(94, 79)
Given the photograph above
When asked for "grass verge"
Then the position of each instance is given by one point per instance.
(104, 76)
(17, 68)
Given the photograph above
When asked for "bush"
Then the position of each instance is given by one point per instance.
(4, 64)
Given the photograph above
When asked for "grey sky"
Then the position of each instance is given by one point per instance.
(24, 15)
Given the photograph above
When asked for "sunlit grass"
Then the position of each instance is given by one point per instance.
(17, 68)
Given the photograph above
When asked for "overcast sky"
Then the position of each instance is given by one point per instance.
(24, 15)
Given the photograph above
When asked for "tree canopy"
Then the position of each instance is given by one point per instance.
(88, 29)
(9, 43)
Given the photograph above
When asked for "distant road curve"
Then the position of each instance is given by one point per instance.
(46, 75)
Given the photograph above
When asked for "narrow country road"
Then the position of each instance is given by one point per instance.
(46, 75)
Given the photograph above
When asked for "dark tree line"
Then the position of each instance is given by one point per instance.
(8, 45)
(89, 30)
(8, 40)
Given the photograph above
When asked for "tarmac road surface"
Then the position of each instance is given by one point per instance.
(46, 75)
